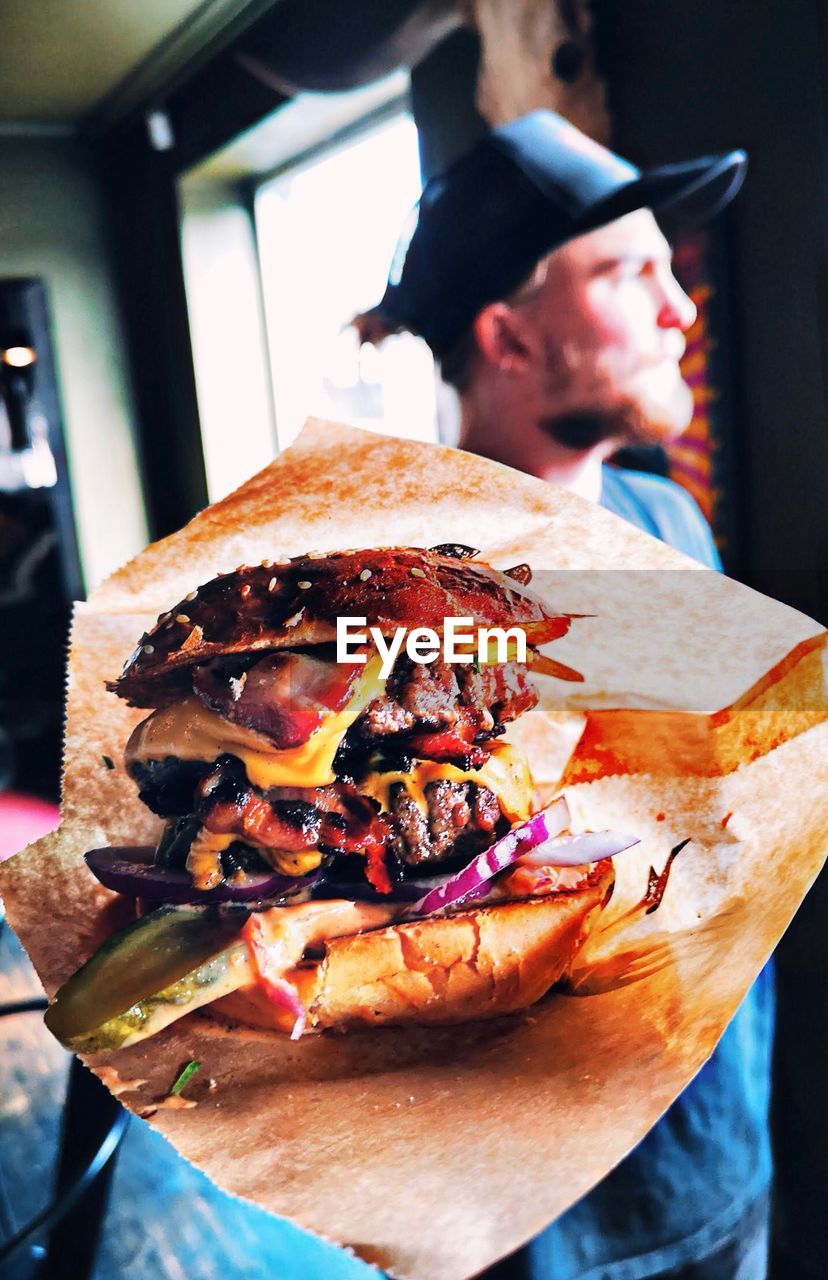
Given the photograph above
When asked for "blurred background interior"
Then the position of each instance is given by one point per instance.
(195, 198)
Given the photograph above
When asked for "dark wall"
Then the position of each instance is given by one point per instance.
(694, 76)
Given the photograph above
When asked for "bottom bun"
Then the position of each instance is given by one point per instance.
(475, 964)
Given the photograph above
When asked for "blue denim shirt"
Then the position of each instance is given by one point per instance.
(681, 1192)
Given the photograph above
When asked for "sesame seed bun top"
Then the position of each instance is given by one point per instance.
(292, 603)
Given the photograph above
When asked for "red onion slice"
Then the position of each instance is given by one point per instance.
(578, 850)
(130, 870)
(469, 883)
(282, 993)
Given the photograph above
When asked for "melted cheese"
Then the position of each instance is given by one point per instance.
(505, 773)
(203, 858)
(189, 731)
(288, 864)
(492, 660)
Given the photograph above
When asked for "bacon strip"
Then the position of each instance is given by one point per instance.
(336, 817)
(285, 696)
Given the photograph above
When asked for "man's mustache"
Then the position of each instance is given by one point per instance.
(615, 365)
(610, 366)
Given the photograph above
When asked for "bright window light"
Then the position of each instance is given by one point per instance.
(326, 233)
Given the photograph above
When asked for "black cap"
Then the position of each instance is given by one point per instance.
(525, 189)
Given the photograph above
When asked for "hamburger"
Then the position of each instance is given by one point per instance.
(345, 843)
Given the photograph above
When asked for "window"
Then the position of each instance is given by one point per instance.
(287, 234)
(326, 232)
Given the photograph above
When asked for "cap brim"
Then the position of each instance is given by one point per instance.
(688, 194)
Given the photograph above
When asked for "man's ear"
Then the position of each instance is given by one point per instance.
(503, 338)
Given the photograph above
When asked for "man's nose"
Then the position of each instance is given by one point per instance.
(678, 310)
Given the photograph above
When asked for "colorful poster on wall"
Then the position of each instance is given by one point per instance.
(702, 459)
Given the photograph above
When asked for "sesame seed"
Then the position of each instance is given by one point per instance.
(273, 584)
(294, 618)
(417, 573)
(316, 555)
(245, 591)
(149, 648)
(365, 575)
(182, 617)
(192, 596)
(267, 564)
(303, 586)
(283, 560)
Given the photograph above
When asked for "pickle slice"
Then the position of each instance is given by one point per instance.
(157, 969)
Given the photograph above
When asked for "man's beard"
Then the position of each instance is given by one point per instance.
(594, 384)
(624, 424)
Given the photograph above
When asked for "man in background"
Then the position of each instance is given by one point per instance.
(539, 277)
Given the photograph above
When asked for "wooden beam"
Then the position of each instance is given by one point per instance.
(538, 53)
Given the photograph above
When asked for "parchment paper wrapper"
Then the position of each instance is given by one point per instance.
(703, 713)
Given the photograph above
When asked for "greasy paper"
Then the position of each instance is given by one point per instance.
(432, 1152)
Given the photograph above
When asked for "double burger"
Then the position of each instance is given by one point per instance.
(344, 843)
